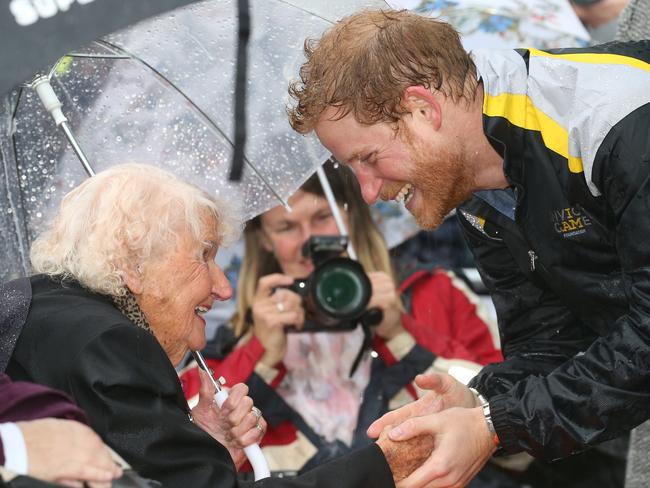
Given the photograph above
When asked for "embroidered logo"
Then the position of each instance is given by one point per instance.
(570, 221)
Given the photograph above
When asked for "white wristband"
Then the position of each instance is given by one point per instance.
(15, 450)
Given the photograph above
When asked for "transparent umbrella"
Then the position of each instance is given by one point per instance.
(161, 92)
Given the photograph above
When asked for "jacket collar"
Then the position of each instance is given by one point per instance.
(504, 75)
(128, 305)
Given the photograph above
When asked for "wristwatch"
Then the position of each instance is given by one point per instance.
(485, 406)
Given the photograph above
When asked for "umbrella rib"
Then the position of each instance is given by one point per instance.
(329, 21)
(306, 11)
(198, 110)
(98, 56)
(20, 225)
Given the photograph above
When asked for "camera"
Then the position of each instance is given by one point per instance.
(336, 294)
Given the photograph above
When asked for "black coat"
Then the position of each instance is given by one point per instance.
(565, 252)
(118, 373)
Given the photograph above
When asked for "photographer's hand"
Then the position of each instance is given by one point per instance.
(385, 297)
(273, 309)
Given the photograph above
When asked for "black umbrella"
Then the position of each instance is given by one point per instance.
(35, 33)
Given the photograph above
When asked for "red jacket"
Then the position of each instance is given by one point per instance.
(443, 317)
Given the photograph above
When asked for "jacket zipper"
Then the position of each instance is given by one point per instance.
(533, 258)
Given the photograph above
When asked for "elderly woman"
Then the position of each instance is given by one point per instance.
(126, 272)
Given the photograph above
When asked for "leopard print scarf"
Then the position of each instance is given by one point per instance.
(130, 308)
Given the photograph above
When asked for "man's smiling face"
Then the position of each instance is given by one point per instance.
(413, 164)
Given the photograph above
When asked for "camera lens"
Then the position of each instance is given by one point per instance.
(342, 289)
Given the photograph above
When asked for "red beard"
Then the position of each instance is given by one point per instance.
(441, 178)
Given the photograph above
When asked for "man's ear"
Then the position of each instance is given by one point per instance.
(423, 105)
(133, 280)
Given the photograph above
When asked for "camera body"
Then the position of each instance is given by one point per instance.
(336, 294)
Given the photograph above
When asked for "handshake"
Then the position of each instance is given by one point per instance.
(440, 440)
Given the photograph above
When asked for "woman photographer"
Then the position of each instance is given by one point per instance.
(316, 408)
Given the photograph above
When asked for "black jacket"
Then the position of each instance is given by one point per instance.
(80, 343)
(565, 252)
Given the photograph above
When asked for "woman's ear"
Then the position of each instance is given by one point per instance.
(265, 240)
(133, 280)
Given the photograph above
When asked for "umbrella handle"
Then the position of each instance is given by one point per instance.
(50, 101)
(253, 452)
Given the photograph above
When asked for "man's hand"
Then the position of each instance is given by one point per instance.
(235, 424)
(463, 444)
(67, 452)
(446, 392)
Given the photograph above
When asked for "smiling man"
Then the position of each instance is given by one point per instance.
(546, 155)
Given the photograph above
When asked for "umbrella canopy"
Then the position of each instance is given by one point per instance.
(34, 33)
(160, 92)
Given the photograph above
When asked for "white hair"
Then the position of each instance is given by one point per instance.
(123, 218)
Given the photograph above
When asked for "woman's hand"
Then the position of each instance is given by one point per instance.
(385, 297)
(459, 444)
(404, 457)
(235, 425)
(272, 312)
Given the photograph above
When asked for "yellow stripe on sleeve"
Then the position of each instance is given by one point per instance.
(595, 58)
(520, 111)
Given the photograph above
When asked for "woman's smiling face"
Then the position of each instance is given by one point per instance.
(178, 289)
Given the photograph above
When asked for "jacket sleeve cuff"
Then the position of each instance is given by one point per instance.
(15, 450)
(507, 438)
(267, 373)
(364, 467)
(379, 473)
(400, 345)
